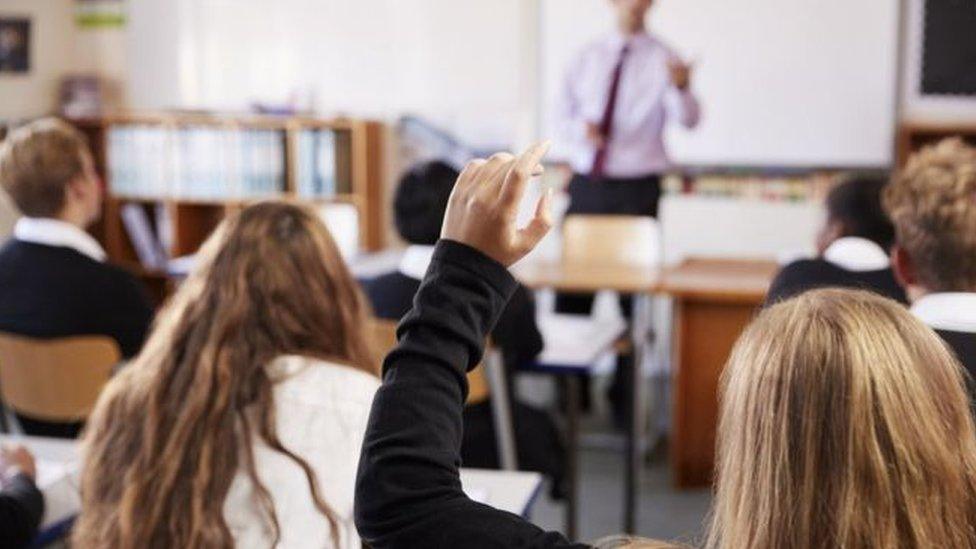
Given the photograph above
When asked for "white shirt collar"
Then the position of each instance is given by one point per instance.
(54, 232)
(857, 254)
(415, 261)
(951, 311)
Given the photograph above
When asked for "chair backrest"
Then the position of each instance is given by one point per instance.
(612, 239)
(55, 379)
(384, 339)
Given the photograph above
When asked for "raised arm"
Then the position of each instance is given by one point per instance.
(408, 491)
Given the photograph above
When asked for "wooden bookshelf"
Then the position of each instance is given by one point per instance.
(358, 178)
(914, 136)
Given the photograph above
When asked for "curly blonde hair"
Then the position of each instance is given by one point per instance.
(932, 203)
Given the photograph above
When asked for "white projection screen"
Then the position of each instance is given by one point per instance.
(784, 83)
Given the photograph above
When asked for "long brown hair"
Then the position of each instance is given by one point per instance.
(844, 423)
(171, 432)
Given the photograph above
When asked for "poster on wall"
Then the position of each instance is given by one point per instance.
(99, 14)
(14, 45)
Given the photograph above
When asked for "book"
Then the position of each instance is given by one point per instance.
(147, 247)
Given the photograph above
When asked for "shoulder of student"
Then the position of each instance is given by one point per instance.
(321, 383)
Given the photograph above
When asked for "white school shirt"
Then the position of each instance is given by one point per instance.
(947, 311)
(857, 254)
(646, 101)
(321, 410)
(61, 234)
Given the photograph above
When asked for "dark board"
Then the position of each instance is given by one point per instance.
(949, 48)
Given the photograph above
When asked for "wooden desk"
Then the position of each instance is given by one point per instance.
(714, 299)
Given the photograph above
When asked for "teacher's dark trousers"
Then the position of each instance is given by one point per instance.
(635, 196)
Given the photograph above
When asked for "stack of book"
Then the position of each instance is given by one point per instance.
(196, 162)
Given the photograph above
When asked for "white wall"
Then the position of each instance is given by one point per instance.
(52, 40)
(458, 63)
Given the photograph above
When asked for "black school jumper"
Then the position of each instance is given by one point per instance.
(808, 274)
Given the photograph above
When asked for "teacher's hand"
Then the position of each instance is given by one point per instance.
(483, 208)
(680, 74)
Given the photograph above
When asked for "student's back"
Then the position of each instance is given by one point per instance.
(852, 247)
(241, 420)
(57, 291)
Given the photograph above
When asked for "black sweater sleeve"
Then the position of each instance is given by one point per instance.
(21, 508)
(516, 331)
(408, 491)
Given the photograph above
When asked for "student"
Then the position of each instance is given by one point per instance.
(21, 504)
(240, 422)
(837, 435)
(852, 246)
(419, 205)
(932, 203)
(54, 281)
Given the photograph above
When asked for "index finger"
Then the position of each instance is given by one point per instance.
(525, 167)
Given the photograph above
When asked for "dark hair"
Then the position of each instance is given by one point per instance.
(421, 200)
(856, 204)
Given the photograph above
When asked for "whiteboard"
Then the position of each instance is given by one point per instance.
(783, 83)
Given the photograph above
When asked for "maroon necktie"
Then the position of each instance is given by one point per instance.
(606, 123)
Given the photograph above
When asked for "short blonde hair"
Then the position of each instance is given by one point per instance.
(37, 161)
(844, 423)
(932, 203)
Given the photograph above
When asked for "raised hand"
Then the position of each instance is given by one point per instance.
(483, 208)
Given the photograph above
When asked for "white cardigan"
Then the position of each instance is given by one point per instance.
(321, 411)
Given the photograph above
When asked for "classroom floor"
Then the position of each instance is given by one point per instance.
(664, 513)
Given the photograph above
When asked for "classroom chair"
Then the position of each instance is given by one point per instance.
(56, 380)
(487, 380)
(573, 343)
(612, 240)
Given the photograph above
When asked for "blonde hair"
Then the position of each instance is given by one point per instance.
(37, 161)
(932, 203)
(844, 423)
(171, 432)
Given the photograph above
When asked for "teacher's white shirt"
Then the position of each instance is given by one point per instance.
(646, 101)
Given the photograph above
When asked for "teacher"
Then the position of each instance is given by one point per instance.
(618, 95)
